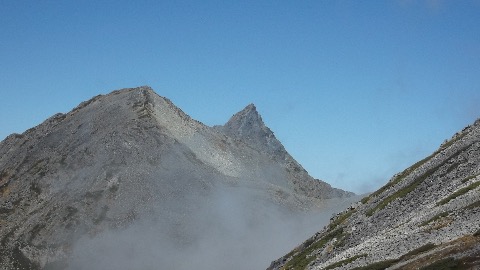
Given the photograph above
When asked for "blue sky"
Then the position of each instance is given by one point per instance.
(355, 90)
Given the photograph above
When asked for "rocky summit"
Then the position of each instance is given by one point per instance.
(426, 217)
(129, 181)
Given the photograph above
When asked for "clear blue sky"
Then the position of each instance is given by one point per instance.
(355, 90)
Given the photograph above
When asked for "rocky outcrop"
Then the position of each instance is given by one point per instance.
(133, 155)
(426, 217)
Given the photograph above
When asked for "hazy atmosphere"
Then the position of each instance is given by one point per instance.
(355, 90)
(231, 231)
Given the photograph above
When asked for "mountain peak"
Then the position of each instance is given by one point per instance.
(247, 125)
(117, 162)
(147, 103)
(245, 120)
(250, 108)
(249, 113)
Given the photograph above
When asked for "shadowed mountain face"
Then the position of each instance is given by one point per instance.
(129, 181)
(426, 217)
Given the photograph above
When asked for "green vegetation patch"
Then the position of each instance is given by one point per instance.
(399, 177)
(412, 168)
(401, 193)
(459, 193)
(383, 264)
(419, 250)
(451, 168)
(388, 263)
(449, 143)
(405, 190)
(345, 262)
(473, 205)
(434, 218)
(341, 241)
(39, 167)
(445, 264)
(340, 219)
(304, 257)
(365, 199)
(470, 177)
(378, 265)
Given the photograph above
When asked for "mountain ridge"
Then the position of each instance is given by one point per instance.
(132, 156)
(425, 217)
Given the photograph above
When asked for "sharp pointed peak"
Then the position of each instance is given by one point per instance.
(248, 114)
(250, 107)
(247, 125)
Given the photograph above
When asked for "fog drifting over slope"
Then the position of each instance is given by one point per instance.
(231, 230)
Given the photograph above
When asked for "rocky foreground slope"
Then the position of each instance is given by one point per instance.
(426, 217)
(129, 181)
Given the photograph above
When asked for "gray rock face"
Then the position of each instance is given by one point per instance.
(427, 215)
(131, 157)
(247, 125)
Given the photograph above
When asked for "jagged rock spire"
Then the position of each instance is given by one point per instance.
(247, 125)
(246, 121)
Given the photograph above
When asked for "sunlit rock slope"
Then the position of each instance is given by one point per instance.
(426, 217)
(133, 157)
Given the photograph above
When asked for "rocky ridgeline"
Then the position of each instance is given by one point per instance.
(425, 217)
(133, 155)
(248, 127)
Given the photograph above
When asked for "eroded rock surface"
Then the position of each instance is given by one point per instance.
(426, 216)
